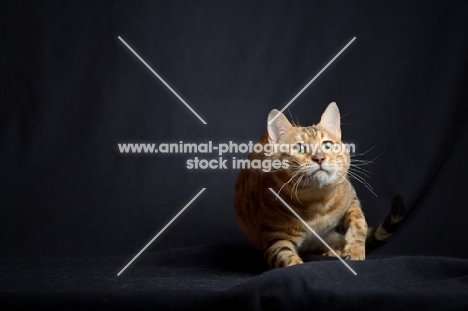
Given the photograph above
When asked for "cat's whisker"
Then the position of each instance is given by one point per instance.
(292, 190)
(371, 190)
(376, 157)
(294, 184)
(359, 172)
(338, 163)
(294, 164)
(362, 181)
(357, 177)
(343, 178)
(361, 162)
(366, 161)
(359, 167)
(306, 180)
(294, 174)
(360, 154)
(297, 187)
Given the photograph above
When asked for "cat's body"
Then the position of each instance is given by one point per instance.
(316, 186)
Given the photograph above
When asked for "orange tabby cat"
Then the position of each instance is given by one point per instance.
(315, 184)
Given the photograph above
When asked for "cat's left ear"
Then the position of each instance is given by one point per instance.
(331, 120)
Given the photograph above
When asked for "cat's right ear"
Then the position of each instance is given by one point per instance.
(278, 127)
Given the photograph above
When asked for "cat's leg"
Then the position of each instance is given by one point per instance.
(282, 252)
(336, 241)
(356, 229)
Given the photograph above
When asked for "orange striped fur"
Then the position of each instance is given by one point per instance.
(315, 185)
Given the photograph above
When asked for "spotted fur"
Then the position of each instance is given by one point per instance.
(316, 186)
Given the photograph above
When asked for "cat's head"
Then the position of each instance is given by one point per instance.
(315, 152)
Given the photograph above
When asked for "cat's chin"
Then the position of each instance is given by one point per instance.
(323, 177)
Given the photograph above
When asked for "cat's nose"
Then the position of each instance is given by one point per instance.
(319, 158)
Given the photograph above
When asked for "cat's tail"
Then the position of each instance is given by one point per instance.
(383, 233)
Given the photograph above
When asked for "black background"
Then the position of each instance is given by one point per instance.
(71, 91)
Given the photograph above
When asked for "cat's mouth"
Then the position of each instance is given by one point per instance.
(318, 171)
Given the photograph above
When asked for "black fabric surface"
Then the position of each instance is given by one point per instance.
(229, 277)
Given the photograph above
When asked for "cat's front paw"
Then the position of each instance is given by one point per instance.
(281, 254)
(294, 261)
(329, 253)
(354, 252)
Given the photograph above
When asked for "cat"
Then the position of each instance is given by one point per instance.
(316, 185)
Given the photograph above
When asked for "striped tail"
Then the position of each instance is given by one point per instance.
(378, 236)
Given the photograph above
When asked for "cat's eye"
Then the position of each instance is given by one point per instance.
(299, 148)
(327, 145)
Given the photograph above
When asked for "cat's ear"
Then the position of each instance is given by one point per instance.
(278, 127)
(331, 120)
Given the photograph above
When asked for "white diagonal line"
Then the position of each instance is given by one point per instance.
(160, 232)
(162, 80)
(313, 79)
(313, 231)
